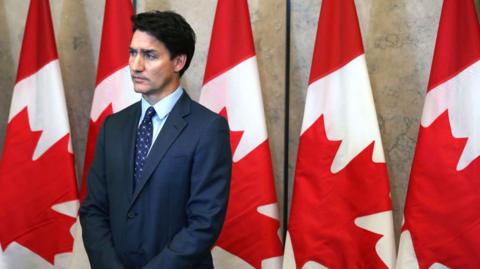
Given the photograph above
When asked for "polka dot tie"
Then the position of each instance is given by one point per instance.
(142, 145)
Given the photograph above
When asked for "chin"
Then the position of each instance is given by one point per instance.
(141, 89)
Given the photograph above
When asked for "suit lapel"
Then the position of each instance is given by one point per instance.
(173, 126)
(128, 145)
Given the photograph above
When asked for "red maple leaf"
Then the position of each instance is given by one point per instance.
(442, 211)
(325, 204)
(29, 189)
(247, 233)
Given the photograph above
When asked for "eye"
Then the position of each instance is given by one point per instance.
(150, 56)
(132, 52)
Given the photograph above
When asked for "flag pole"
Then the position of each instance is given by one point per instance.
(134, 4)
(287, 114)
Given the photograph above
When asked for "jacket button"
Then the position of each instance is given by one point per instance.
(131, 215)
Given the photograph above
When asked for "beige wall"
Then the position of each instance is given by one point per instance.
(398, 35)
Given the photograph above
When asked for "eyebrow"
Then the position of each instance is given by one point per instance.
(144, 51)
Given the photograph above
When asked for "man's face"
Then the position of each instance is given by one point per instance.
(154, 74)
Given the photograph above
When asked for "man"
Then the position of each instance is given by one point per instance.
(158, 186)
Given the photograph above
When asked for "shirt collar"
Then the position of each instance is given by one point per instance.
(164, 106)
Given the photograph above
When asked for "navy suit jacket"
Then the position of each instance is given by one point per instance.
(173, 217)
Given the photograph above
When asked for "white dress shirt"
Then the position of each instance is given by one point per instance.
(162, 109)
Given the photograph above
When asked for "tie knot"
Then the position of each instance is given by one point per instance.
(149, 114)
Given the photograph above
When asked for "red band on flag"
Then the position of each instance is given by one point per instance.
(38, 30)
(338, 38)
(232, 40)
(458, 41)
(116, 35)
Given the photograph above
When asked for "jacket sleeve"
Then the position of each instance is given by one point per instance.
(94, 216)
(207, 205)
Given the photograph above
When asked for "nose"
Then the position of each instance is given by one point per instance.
(136, 63)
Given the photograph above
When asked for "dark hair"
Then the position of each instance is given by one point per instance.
(171, 29)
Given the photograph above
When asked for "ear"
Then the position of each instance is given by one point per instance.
(179, 62)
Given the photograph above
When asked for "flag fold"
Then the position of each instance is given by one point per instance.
(38, 189)
(441, 220)
(250, 235)
(341, 215)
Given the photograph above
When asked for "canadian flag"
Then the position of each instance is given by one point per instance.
(442, 212)
(250, 235)
(38, 189)
(114, 87)
(341, 214)
(113, 92)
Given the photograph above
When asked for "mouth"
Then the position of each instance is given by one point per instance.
(139, 79)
